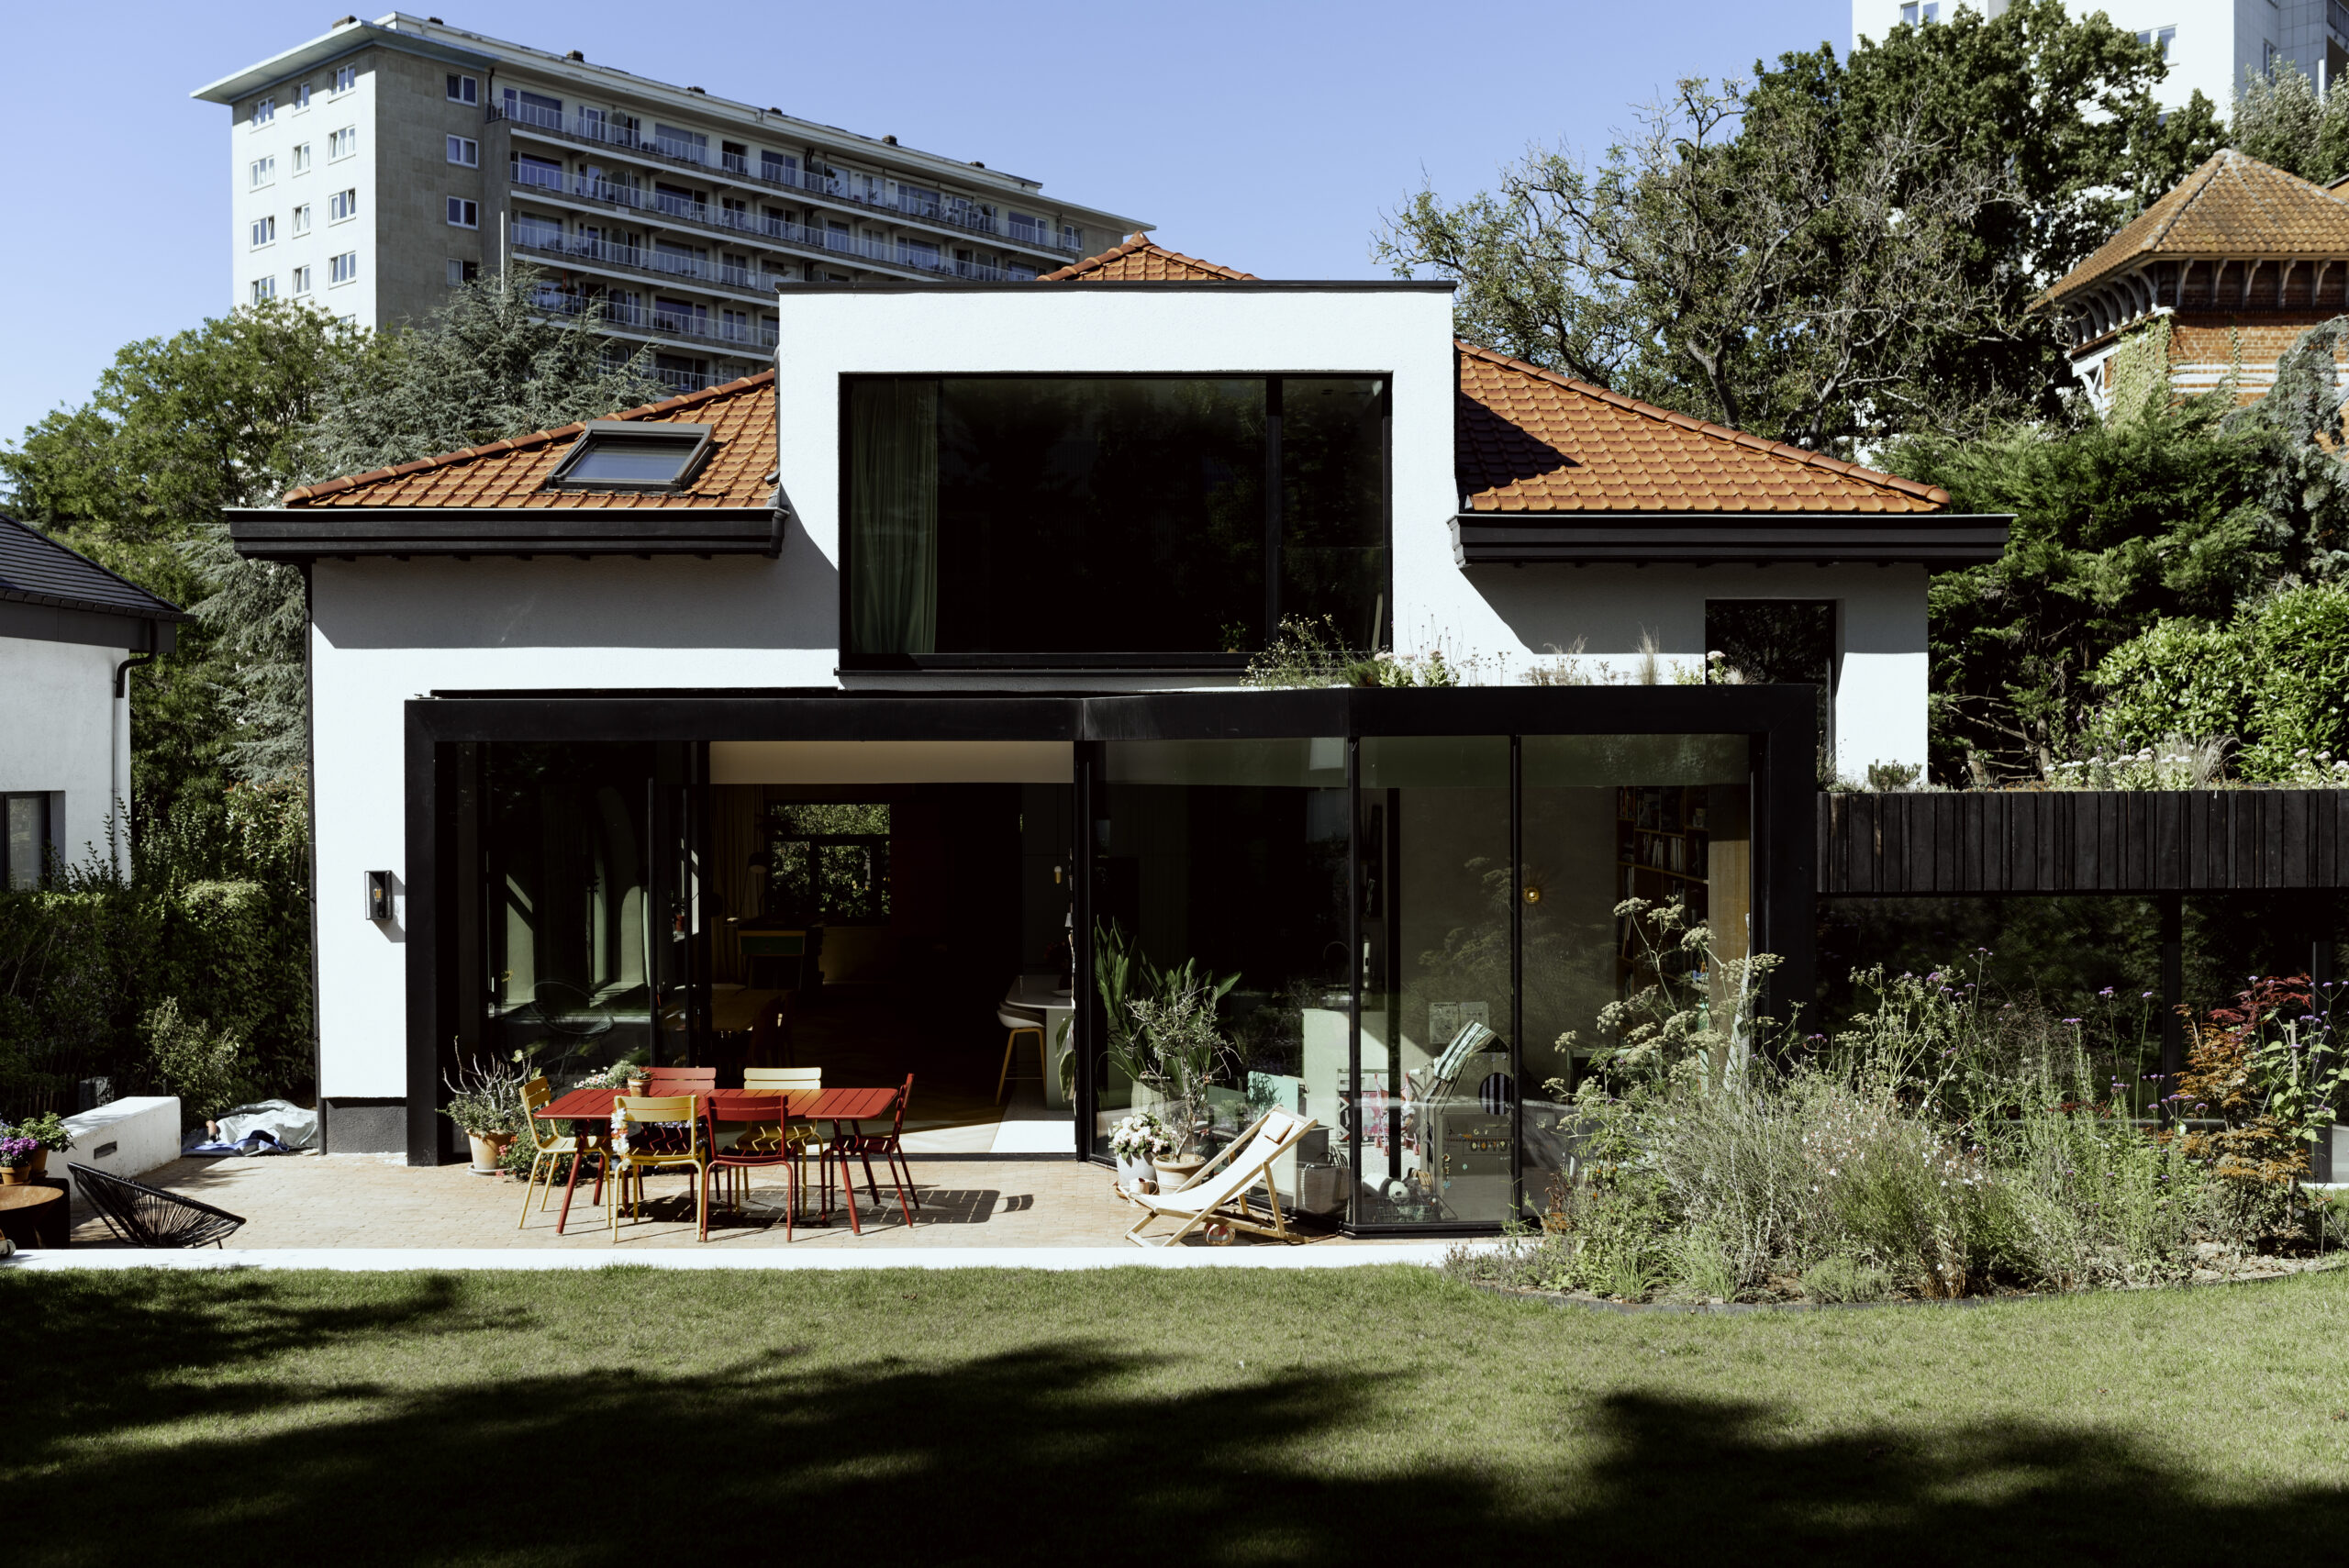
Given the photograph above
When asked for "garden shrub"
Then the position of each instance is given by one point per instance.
(207, 1068)
(1838, 1279)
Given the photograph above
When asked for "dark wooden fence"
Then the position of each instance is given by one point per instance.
(2083, 842)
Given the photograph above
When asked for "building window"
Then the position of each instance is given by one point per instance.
(24, 850)
(2158, 40)
(623, 455)
(343, 268)
(544, 172)
(265, 171)
(463, 271)
(346, 77)
(302, 159)
(264, 290)
(342, 143)
(464, 89)
(1916, 11)
(963, 494)
(1072, 236)
(302, 218)
(533, 108)
(301, 278)
(464, 214)
(302, 97)
(690, 145)
(778, 169)
(342, 205)
(264, 231)
(465, 152)
(264, 111)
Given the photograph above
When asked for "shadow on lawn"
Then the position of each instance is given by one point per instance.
(1008, 1458)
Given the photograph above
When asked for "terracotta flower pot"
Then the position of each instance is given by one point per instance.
(39, 1167)
(488, 1152)
(14, 1175)
(1174, 1172)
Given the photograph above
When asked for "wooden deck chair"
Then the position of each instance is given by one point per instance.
(1220, 1195)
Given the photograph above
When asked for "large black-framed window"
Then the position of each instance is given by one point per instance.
(1110, 521)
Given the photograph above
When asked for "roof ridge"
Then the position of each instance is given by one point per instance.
(519, 443)
(1138, 242)
(1932, 493)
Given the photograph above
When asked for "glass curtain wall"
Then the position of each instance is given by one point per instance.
(1227, 859)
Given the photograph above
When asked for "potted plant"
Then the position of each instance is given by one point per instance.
(1173, 1050)
(17, 1159)
(48, 1134)
(485, 1100)
(1136, 1141)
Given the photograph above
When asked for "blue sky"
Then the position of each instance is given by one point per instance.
(1266, 136)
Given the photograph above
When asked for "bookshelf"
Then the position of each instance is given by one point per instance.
(1660, 851)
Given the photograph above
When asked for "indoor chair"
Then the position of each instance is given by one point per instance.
(1019, 1021)
(664, 1134)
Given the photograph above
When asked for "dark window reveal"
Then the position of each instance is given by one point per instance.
(614, 455)
(1064, 517)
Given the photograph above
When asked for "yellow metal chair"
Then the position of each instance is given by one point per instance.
(547, 1146)
(663, 1118)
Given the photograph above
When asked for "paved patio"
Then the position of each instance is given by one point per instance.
(376, 1201)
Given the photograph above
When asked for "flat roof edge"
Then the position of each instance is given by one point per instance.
(1211, 285)
(330, 46)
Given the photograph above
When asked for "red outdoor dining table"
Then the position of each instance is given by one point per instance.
(834, 1106)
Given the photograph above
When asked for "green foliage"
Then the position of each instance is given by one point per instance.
(2280, 120)
(1838, 251)
(205, 1067)
(48, 1129)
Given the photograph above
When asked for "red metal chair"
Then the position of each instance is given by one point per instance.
(862, 1146)
(747, 1156)
(680, 1080)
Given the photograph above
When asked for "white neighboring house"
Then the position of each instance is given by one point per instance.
(69, 631)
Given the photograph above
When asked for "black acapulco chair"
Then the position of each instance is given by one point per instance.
(149, 1216)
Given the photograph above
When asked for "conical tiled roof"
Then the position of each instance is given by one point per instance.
(2233, 208)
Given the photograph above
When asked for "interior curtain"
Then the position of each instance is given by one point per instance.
(893, 517)
(737, 824)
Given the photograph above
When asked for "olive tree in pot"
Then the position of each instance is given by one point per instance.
(485, 1100)
(1175, 1050)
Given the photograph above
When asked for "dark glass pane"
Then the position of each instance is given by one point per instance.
(1071, 515)
(1333, 504)
(631, 461)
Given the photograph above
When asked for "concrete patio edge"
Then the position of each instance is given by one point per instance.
(382, 1260)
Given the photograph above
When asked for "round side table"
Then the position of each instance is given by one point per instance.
(35, 1215)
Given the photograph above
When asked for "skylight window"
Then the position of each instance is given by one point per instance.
(614, 454)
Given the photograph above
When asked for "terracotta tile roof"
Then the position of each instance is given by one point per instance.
(1532, 440)
(1142, 261)
(738, 473)
(2232, 206)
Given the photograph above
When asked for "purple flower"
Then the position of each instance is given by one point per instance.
(19, 1151)
(2071, 1020)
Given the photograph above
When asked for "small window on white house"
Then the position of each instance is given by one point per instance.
(264, 171)
(264, 289)
(302, 97)
(302, 218)
(301, 279)
(1917, 11)
(264, 231)
(344, 268)
(464, 89)
(2158, 40)
(465, 152)
(302, 159)
(342, 143)
(346, 77)
(342, 205)
(464, 214)
(264, 111)
(25, 840)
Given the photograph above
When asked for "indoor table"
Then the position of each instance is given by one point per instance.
(1050, 996)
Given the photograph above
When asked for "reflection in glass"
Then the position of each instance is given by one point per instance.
(1431, 1111)
(1232, 854)
(568, 943)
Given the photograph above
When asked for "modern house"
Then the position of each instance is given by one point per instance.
(914, 666)
(69, 630)
(377, 164)
(2231, 265)
(2209, 44)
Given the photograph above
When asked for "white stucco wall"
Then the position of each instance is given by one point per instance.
(385, 631)
(61, 733)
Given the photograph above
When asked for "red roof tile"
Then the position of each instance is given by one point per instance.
(1141, 259)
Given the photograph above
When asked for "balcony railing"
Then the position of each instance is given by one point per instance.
(605, 252)
(928, 206)
(829, 243)
(691, 327)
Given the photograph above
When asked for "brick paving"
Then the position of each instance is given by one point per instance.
(363, 1200)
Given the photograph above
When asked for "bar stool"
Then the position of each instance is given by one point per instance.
(1019, 1021)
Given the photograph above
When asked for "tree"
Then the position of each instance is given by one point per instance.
(2280, 120)
(177, 429)
(1837, 252)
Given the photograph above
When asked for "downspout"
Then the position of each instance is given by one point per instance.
(118, 754)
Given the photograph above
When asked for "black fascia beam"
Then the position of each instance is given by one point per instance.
(89, 627)
(308, 533)
(1486, 538)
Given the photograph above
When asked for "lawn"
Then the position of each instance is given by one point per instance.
(1201, 1418)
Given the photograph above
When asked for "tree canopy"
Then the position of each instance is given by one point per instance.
(1837, 252)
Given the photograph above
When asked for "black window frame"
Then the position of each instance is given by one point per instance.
(621, 432)
(1202, 661)
(43, 851)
